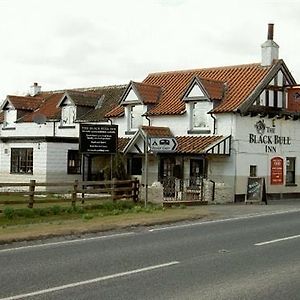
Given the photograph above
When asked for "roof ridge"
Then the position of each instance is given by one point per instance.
(208, 68)
(87, 89)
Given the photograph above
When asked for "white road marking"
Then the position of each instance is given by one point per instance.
(94, 280)
(278, 240)
(249, 216)
(67, 242)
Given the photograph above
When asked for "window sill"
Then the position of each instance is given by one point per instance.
(16, 173)
(199, 131)
(291, 184)
(67, 127)
(8, 128)
(130, 132)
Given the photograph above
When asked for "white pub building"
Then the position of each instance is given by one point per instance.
(227, 124)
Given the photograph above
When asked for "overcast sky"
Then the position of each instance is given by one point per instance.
(82, 43)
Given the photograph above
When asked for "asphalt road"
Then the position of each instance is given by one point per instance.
(246, 257)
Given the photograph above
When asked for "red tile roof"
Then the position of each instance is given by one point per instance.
(25, 103)
(122, 142)
(195, 144)
(152, 131)
(149, 93)
(214, 88)
(48, 108)
(240, 81)
(115, 112)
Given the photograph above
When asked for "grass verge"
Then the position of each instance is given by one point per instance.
(107, 216)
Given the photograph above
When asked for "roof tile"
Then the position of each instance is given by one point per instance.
(195, 144)
(240, 81)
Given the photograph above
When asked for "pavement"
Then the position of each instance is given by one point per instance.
(231, 210)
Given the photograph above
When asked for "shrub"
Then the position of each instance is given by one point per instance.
(87, 216)
(56, 209)
(9, 212)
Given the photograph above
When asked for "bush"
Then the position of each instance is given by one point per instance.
(56, 210)
(9, 212)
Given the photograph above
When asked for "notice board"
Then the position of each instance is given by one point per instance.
(277, 170)
(256, 189)
(98, 139)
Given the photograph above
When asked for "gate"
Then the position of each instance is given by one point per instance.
(194, 189)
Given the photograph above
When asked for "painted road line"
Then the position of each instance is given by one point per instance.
(278, 240)
(94, 280)
(68, 242)
(249, 216)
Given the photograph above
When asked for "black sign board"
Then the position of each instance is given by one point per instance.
(98, 139)
(256, 189)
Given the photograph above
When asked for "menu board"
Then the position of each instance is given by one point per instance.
(276, 170)
(255, 189)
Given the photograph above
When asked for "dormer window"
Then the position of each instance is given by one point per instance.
(10, 117)
(68, 115)
(135, 119)
(68, 112)
(199, 117)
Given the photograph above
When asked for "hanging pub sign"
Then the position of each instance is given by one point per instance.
(277, 170)
(98, 139)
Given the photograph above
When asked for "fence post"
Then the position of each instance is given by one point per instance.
(31, 193)
(74, 193)
(135, 190)
(113, 187)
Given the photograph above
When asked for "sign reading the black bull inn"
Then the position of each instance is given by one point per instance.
(98, 139)
(267, 136)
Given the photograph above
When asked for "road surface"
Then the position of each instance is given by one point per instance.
(248, 257)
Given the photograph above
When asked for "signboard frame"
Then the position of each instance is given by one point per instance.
(98, 138)
(276, 171)
(256, 190)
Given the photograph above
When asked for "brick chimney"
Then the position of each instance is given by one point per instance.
(269, 49)
(34, 89)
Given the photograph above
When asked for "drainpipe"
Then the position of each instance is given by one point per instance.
(214, 118)
(54, 133)
(149, 121)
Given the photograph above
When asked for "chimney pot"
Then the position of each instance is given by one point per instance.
(34, 89)
(270, 31)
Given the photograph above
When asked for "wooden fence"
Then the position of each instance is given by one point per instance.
(113, 189)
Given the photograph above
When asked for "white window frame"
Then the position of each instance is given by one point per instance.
(68, 115)
(200, 107)
(135, 119)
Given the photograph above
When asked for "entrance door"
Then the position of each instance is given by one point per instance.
(166, 174)
(197, 172)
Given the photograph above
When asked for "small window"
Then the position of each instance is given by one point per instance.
(74, 162)
(200, 119)
(21, 161)
(134, 166)
(68, 115)
(290, 170)
(253, 171)
(136, 119)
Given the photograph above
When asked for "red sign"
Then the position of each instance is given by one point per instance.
(276, 170)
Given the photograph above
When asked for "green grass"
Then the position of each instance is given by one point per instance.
(13, 215)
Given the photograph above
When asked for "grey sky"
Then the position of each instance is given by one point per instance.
(81, 43)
